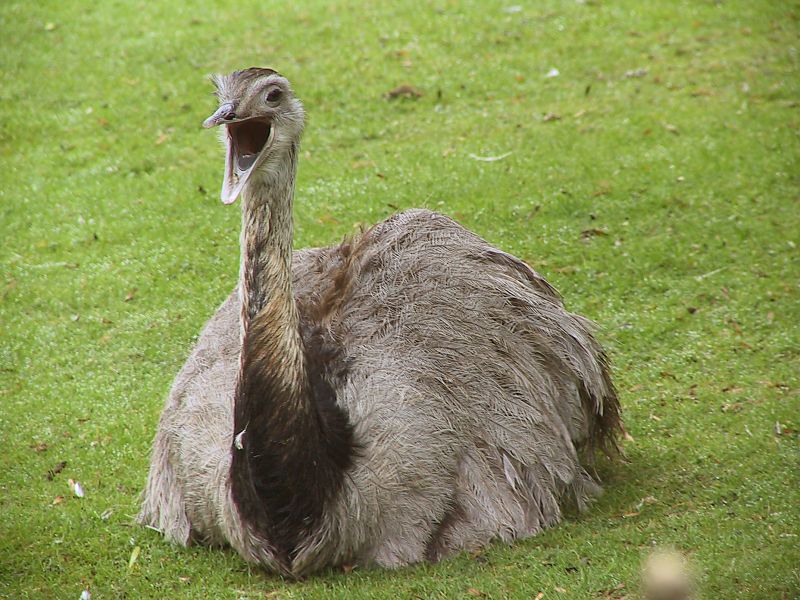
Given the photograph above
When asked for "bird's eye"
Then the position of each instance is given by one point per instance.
(274, 95)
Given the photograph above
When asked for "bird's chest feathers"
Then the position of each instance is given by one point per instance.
(272, 341)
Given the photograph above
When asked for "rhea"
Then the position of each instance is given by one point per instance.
(400, 397)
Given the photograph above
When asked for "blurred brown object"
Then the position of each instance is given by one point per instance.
(667, 576)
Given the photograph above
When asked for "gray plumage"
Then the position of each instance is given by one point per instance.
(472, 394)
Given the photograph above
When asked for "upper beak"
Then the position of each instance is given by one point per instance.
(224, 114)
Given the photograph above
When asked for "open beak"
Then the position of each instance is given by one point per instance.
(246, 141)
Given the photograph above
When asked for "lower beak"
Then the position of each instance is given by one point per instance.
(235, 177)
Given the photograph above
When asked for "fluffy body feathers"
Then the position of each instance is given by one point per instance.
(471, 392)
(406, 395)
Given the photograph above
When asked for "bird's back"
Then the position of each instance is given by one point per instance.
(424, 290)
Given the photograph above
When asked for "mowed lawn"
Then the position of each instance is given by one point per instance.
(646, 162)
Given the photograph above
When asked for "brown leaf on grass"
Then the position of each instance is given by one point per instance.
(539, 596)
(735, 326)
(551, 117)
(672, 129)
(775, 384)
(362, 164)
(327, 219)
(56, 470)
(39, 447)
(403, 91)
(560, 590)
(628, 515)
(594, 231)
(475, 592)
(732, 407)
(58, 500)
(614, 593)
(732, 389)
(603, 188)
(130, 295)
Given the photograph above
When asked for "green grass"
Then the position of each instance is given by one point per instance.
(666, 207)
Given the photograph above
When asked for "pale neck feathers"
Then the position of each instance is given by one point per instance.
(269, 310)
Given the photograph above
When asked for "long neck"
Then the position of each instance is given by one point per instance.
(291, 441)
(269, 312)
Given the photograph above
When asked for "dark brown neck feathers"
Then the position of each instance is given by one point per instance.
(292, 442)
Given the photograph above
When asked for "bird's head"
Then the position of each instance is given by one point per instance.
(263, 121)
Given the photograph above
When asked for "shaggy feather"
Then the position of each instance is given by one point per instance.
(442, 396)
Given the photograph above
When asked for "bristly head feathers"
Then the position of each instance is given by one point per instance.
(257, 92)
(261, 124)
(232, 85)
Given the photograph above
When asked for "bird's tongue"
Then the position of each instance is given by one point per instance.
(245, 161)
